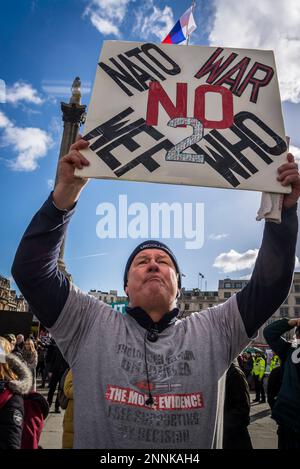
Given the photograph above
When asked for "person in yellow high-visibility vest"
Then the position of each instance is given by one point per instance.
(275, 362)
(258, 372)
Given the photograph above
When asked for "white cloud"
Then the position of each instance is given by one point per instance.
(105, 26)
(62, 88)
(113, 8)
(55, 128)
(107, 15)
(270, 24)
(151, 20)
(296, 152)
(12, 281)
(29, 143)
(4, 121)
(245, 277)
(50, 184)
(2, 91)
(21, 91)
(88, 256)
(217, 237)
(233, 261)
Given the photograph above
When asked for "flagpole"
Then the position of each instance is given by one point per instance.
(193, 9)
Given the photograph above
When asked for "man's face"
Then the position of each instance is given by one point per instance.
(152, 281)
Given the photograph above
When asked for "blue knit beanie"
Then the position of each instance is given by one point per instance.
(151, 244)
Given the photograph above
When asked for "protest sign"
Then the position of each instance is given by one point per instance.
(204, 116)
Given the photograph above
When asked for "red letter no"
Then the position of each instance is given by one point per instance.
(158, 95)
(227, 106)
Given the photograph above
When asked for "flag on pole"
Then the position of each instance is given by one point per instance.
(182, 29)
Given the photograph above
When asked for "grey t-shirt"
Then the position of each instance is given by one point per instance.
(186, 368)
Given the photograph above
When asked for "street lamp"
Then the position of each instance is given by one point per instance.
(200, 276)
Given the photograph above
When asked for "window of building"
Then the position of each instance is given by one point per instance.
(237, 285)
(200, 306)
(297, 298)
(211, 294)
(227, 285)
(186, 306)
(297, 311)
(227, 294)
(297, 288)
(210, 305)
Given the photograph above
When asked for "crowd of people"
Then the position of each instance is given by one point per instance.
(254, 366)
(23, 410)
(32, 358)
(246, 374)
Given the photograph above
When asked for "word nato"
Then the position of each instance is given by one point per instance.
(127, 72)
(161, 220)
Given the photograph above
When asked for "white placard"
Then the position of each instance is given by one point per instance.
(204, 116)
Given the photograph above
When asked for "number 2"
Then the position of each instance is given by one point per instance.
(176, 153)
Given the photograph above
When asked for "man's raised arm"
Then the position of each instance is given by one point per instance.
(273, 272)
(35, 265)
(69, 187)
(273, 332)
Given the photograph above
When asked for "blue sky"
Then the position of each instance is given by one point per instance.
(44, 45)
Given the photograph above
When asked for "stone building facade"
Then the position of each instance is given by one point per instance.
(9, 300)
(197, 300)
(112, 298)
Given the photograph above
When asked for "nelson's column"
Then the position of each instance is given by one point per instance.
(73, 115)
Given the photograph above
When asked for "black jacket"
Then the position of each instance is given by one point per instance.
(274, 385)
(11, 418)
(286, 410)
(58, 364)
(236, 410)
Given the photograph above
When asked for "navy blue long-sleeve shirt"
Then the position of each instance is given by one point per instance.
(46, 288)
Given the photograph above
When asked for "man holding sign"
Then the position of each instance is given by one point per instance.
(144, 379)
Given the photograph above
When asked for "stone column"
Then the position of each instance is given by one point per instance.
(73, 115)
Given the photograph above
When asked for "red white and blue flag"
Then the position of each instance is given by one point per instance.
(182, 29)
